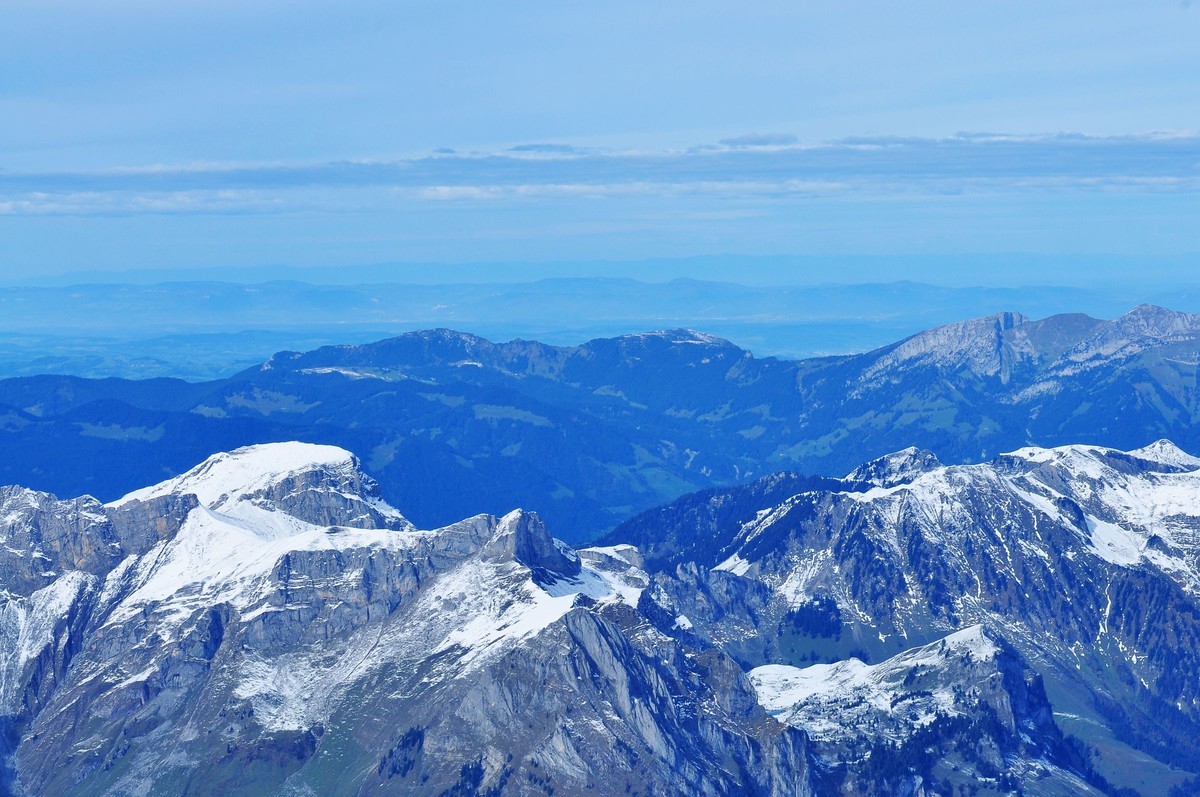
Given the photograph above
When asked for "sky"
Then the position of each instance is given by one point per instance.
(182, 137)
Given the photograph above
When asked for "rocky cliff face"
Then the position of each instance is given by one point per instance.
(965, 711)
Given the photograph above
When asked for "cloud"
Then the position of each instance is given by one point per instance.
(548, 149)
(969, 163)
(104, 203)
(761, 140)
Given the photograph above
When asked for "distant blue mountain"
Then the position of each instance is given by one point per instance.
(212, 329)
(589, 435)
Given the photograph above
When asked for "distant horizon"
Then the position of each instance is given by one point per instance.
(1053, 209)
(201, 329)
(1020, 270)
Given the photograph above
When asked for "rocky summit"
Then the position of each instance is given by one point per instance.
(265, 623)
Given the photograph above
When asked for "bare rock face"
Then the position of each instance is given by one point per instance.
(896, 469)
(140, 525)
(991, 346)
(340, 496)
(41, 537)
(649, 735)
(522, 537)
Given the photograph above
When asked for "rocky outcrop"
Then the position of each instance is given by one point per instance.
(522, 537)
(895, 469)
(42, 537)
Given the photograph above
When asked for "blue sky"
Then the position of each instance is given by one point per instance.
(192, 135)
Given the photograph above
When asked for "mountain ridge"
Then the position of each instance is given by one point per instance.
(1084, 556)
(630, 422)
(251, 640)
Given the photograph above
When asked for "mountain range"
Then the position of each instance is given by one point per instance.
(265, 623)
(209, 328)
(595, 433)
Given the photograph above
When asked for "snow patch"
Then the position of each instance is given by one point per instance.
(830, 701)
(734, 564)
(1114, 544)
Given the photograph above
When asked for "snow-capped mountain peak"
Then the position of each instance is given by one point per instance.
(254, 629)
(321, 485)
(268, 613)
(227, 477)
(1164, 452)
